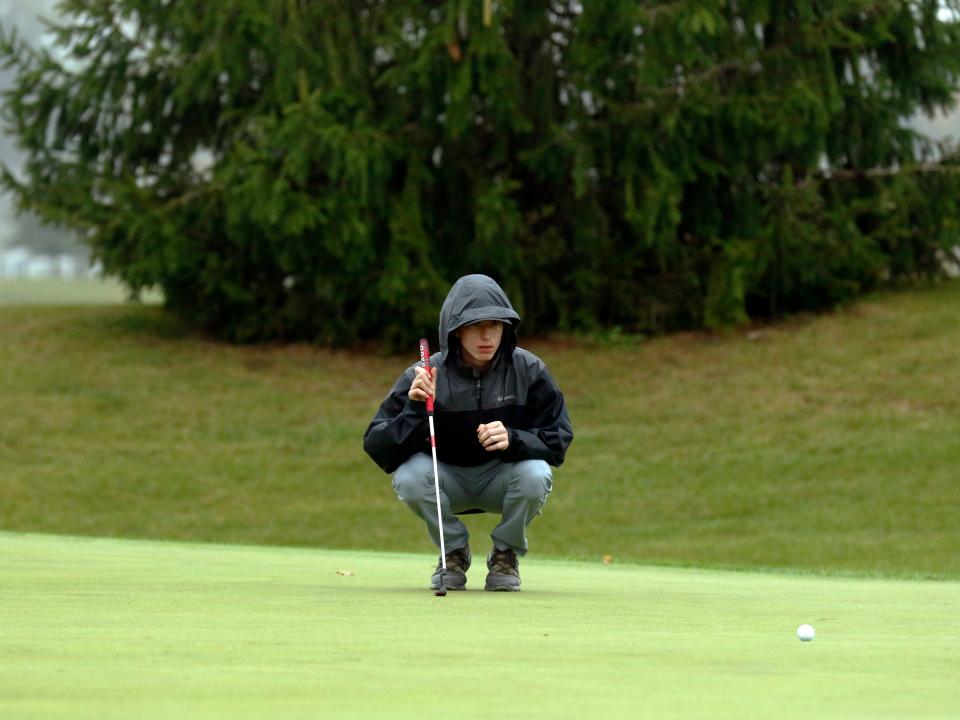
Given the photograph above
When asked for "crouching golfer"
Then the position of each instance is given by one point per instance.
(500, 424)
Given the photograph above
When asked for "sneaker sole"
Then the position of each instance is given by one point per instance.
(502, 588)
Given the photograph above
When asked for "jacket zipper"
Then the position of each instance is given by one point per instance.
(479, 397)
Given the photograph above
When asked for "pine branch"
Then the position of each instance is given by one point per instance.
(855, 173)
(756, 65)
(653, 13)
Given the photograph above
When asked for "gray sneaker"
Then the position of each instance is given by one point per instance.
(504, 574)
(458, 562)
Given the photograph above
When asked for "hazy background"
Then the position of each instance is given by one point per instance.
(26, 230)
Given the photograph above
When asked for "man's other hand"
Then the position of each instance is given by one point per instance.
(493, 436)
(424, 385)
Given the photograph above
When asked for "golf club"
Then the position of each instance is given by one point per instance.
(425, 363)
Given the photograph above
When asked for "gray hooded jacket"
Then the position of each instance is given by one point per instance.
(517, 390)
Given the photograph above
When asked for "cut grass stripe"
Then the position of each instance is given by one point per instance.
(118, 629)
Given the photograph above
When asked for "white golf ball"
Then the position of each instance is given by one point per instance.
(806, 632)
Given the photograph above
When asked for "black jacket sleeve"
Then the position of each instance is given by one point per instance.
(399, 429)
(547, 433)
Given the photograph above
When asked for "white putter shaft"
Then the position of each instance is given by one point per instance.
(425, 364)
(436, 489)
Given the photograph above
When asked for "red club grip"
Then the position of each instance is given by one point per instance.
(425, 363)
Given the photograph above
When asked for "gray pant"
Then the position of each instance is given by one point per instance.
(517, 490)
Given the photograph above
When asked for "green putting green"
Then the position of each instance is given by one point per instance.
(121, 629)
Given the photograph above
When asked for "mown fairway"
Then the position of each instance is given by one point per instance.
(824, 443)
(123, 629)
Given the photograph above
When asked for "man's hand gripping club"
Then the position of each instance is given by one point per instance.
(424, 385)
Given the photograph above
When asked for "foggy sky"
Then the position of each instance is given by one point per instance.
(23, 15)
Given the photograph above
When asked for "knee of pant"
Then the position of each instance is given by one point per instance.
(533, 479)
(413, 480)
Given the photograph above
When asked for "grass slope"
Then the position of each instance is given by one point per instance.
(80, 291)
(120, 629)
(826, 443)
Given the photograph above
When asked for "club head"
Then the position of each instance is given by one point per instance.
(442, 590)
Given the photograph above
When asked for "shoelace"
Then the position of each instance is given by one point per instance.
(456, 561)
(504, 562)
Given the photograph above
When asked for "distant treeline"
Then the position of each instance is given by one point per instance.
(28, 232)
(323, 170)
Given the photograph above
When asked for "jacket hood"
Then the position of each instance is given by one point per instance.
(471, 299)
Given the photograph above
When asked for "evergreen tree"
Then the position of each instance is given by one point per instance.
(323, 169)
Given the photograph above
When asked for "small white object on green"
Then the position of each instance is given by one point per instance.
(806, 632)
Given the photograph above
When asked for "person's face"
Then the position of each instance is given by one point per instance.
(479, 342)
